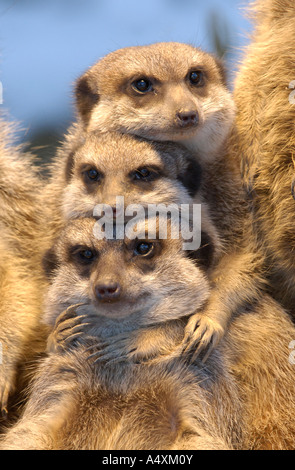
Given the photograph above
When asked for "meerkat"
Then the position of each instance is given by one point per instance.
(264, 91)
(84, 398)
(255, 353)
(258, 347)
(142, 289)
(163, 92)
(22, 336)
(110, 165)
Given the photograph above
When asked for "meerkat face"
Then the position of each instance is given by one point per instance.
(165, 92)
(111, 165)
(149, 280)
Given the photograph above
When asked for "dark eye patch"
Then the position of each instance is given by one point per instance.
(90, 174)
(83, 254)
(145, 174)
(50, 263)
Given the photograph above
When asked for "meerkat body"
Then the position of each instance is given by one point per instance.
(257, 347)
(21, 275)
(142, 290)
(92, 392)
(264, 94)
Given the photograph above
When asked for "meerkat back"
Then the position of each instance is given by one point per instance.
(264, 94)
(22, 229)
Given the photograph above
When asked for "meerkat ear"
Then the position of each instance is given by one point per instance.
(69, 166)
(86, 97)
(222, 70)
(191, 177)
(50, 262)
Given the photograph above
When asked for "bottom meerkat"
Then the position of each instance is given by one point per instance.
(140, 294)
(141, 291)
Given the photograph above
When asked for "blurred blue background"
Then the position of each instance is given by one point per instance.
(46, 44)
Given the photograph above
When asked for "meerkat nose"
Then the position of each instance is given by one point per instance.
(187, 118)
(108, 291)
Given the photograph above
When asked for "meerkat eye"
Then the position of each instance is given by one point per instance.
(143, 85)
(142, 173)
(87, 255)
(196, 78)
(82, 255)
(145, 174)
(144, 249)
(93, 174)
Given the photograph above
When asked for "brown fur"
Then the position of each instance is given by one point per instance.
(21, 277)
(181, 180)
(109, 101)
(174, 176)
(257, 347)
(264, 112)
(243, 398)
(161, 402)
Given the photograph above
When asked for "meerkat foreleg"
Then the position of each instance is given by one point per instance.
(237, 280)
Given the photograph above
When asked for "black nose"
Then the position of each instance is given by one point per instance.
(187, 118)
(108, 291)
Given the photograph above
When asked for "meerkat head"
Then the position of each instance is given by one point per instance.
(164, 91)
(138, 279)
(110, 165)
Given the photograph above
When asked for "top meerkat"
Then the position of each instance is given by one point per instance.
(164, 91)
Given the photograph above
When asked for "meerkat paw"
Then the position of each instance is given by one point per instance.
(202, 335)
(115, 349)
(69, 327)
